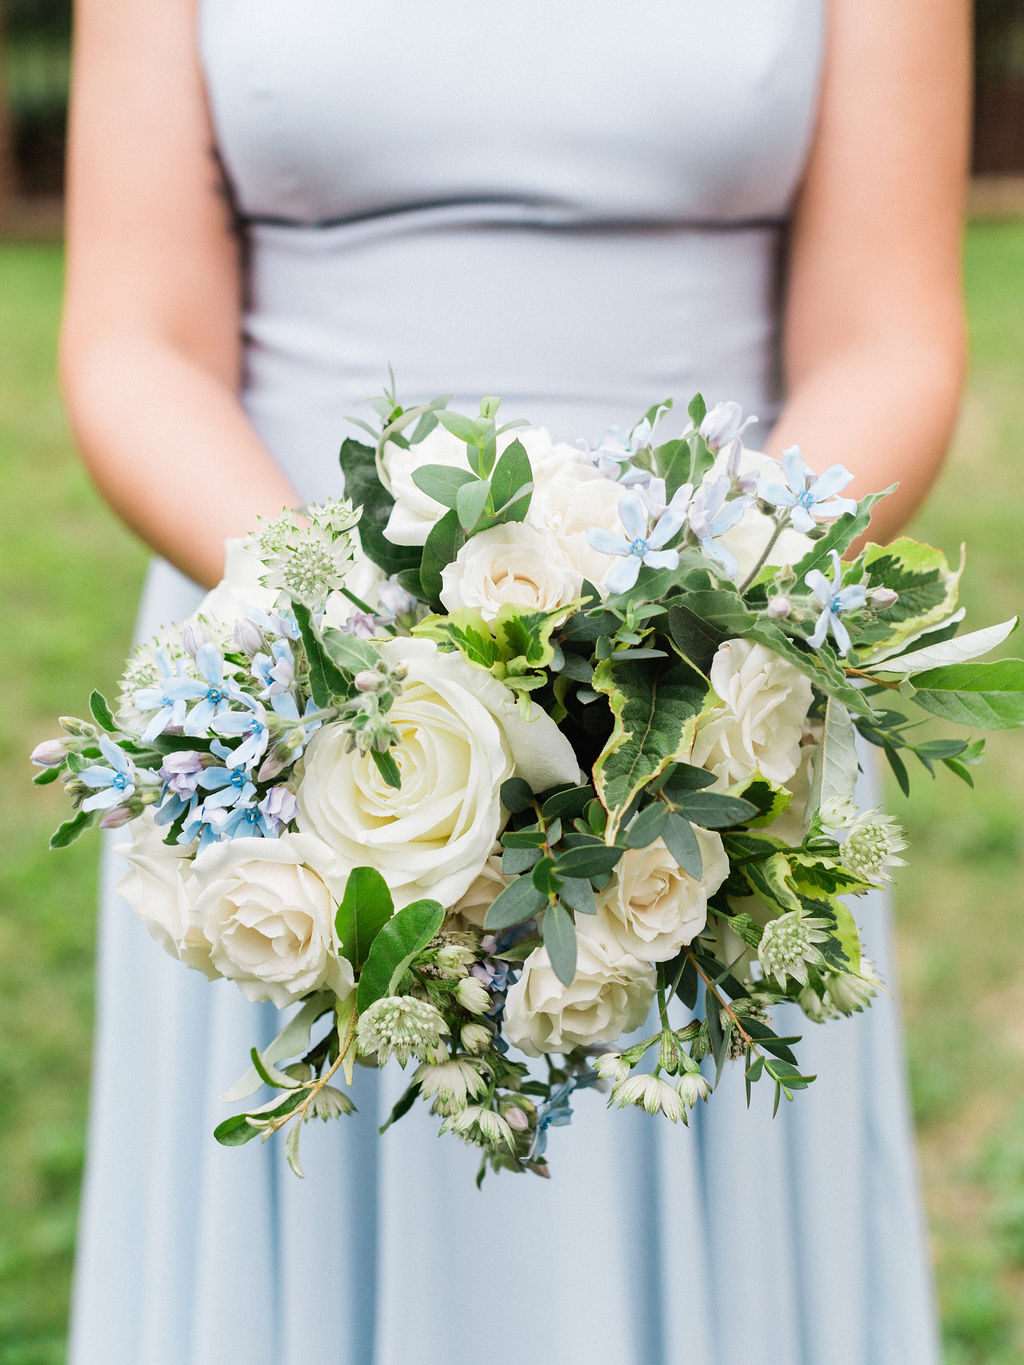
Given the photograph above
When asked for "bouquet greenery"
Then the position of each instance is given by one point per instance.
(523, 748)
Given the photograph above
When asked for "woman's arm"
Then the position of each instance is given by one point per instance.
(873, 343)
(150, 347)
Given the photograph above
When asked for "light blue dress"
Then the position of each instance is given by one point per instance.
(582, 208)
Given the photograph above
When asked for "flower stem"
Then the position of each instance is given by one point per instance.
(780, 522)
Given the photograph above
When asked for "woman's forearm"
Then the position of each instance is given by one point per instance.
(170, 448)
(884, 409)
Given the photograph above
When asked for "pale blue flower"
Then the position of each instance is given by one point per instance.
(214, 697)
(280, 623)
(612, 455)
(275, 671)
(644, 544)
(711, 516)
(723, 424)
(112, 785)
(279, 808)
(181, 770)
(168, 700)
(229, 784)
(834, 599)
(251, 723)
(203, 827)
(808, 500)
(556, 1112)
(394, 600)
(245, 821)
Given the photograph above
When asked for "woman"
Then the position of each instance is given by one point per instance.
(582, 216)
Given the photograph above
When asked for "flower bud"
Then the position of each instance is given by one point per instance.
(724, 423)
(117, 817)
(194, 636)
(81, 729)
(476, 1038)
(50, 754)
(779, 608)
(515, 1118)
(368, 680)
(249, 638)
(883, 597)
(329, 1103)
(472, 995)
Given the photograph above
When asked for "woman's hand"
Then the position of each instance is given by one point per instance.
(873, 344)
(150, 348)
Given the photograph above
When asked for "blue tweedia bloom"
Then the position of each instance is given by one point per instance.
(808, 497)
(834, 599)
(111, 785)
(711, 516)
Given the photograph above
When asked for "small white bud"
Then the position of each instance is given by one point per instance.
(473, 995)
(883, 597)
(476, 1038)
(368, 680)
(50, 754)
(779, 608)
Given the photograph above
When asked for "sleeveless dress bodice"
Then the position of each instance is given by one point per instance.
(582, 208)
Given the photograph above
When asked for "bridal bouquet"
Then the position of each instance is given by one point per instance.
(523, 747)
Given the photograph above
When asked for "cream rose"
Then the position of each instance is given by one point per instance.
(568, 499)
(610, 994)
(510, 564)
(461, 737)
(267, 907)
(485, 889)
(240, 588)
(752, 533)
(758, 725)
(652, 907)
(157, 886)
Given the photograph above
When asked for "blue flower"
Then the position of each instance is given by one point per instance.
(644, 543)
(168, 700)
(229, 784)
(711, 516)
(807, 500)
(834, 599)
(253, 725)
(203, 827)
(214, 696)
(556, 1112)
(275, 671)
(245, 821)
(724, 424)
(612, 455)
(112, 785)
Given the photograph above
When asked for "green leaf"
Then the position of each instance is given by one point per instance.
(470, 502)
(519, 901)
(401, 1106)
(989, 696)
(697, 409)
(442, 482)
(655, 710)
(512, 473)
(363, 486)
(846, 932)
(571, 801)
(236, 1131)
(647, 826)
(927, 589)
(834, 772)
(467, 630)
(516, 860)
(516, 795)
(578, 894)
(101, 711)
(770, 799)
(687, 777)
(589, 860)
(821, 667)
(560, 941)
(673, 462)
(681, 842)
(468, 429)
(290, 1042)
(349, 652)
(364, 910)
(269, 1074)
(291, 1150)
(326, 680)
(388, 768)
(72, 829)
(397, 943)
(696, 640)
(545, 878)
(522, 634)
(444, 541)
(840, 535)
(770, 879)
(715, 810)
(45, 776)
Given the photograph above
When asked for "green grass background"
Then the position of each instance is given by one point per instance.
(70, 576)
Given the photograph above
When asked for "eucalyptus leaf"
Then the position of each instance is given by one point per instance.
(647, 826)
(578, 894)
(512, 476)
(681, 842)
(589, 861)
(519, 901)
(442, 482)
(470, 503)
(560, 940)
(444, 541)
(715, 810)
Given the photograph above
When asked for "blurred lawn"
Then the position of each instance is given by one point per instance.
(71, 576)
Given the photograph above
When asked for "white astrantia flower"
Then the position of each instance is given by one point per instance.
(650, 1093)
(452, 1084)
(473, 995)
(460, 737)
(158, 887)
(651, 907)
(789, 945)
(871, 845)
(401, 1026)
(691, 1087)
(759, 721)
(610, 994)
(611, 1066)
(267, 907)
(481, 1126)
(512, 564)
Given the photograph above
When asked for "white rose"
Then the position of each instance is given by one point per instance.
(758, 725)
(485, 889)
(414, 513)
(753, 531)
(610, 994)
(461, 737)
(568, 500)
(513, 563)
(240, 588)
(267, 907)
(157, 886)
(652, 907)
